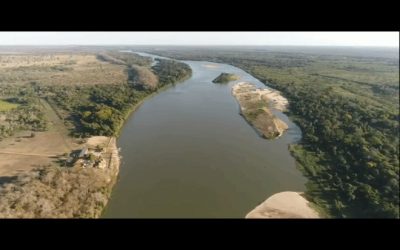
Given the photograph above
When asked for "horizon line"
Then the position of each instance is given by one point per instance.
(244, 45)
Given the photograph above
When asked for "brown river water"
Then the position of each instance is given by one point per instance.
(187, 153)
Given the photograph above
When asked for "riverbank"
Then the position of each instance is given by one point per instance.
(115, 158)
(255, 105)
(113, 165)
(140, 102)
(82, 187)
(113, 143)
(66, 185)
(284, 205)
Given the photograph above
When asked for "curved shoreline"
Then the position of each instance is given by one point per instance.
(116, 154)
(137, 105)
(284, 205)
(270, 96)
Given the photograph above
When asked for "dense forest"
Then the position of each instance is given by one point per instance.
(171, 71)
(348, 110)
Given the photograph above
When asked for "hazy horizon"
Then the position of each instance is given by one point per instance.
(323, 39)
(194, 45)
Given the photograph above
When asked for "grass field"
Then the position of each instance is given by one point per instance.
(23, 152)
(59, 69)
(6, 106)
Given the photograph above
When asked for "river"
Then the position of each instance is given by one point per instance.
(187, 153)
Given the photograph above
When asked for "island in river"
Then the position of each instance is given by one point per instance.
(254, 107)
(225, 78)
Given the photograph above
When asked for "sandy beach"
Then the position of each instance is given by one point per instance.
(283, 205)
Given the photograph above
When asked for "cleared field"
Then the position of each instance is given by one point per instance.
(64, 69)
(23, 152)
(6, 106)
(12, 164)
(26, 150)
(53, 192)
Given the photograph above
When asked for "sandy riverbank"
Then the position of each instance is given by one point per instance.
(113, 162)
(115, 158)
(110, 154)
(111, 149)
(283, 205)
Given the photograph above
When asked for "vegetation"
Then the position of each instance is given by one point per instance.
(102, 109)
(91, 109)
(125, 58)
(171, 71)
(88, 105)
(255, 110)
(23, 111)
(225, 78)
(7, 106)
(142, 78)
(348, 109)
(54, 192)
(59, 69)
(95, 110)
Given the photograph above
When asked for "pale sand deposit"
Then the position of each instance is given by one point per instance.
(212, 66)
(97, 140)
(111, 153)
(273, 97)
(283, 205)
(255, 105)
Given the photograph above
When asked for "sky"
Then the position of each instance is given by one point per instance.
(387, 39)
